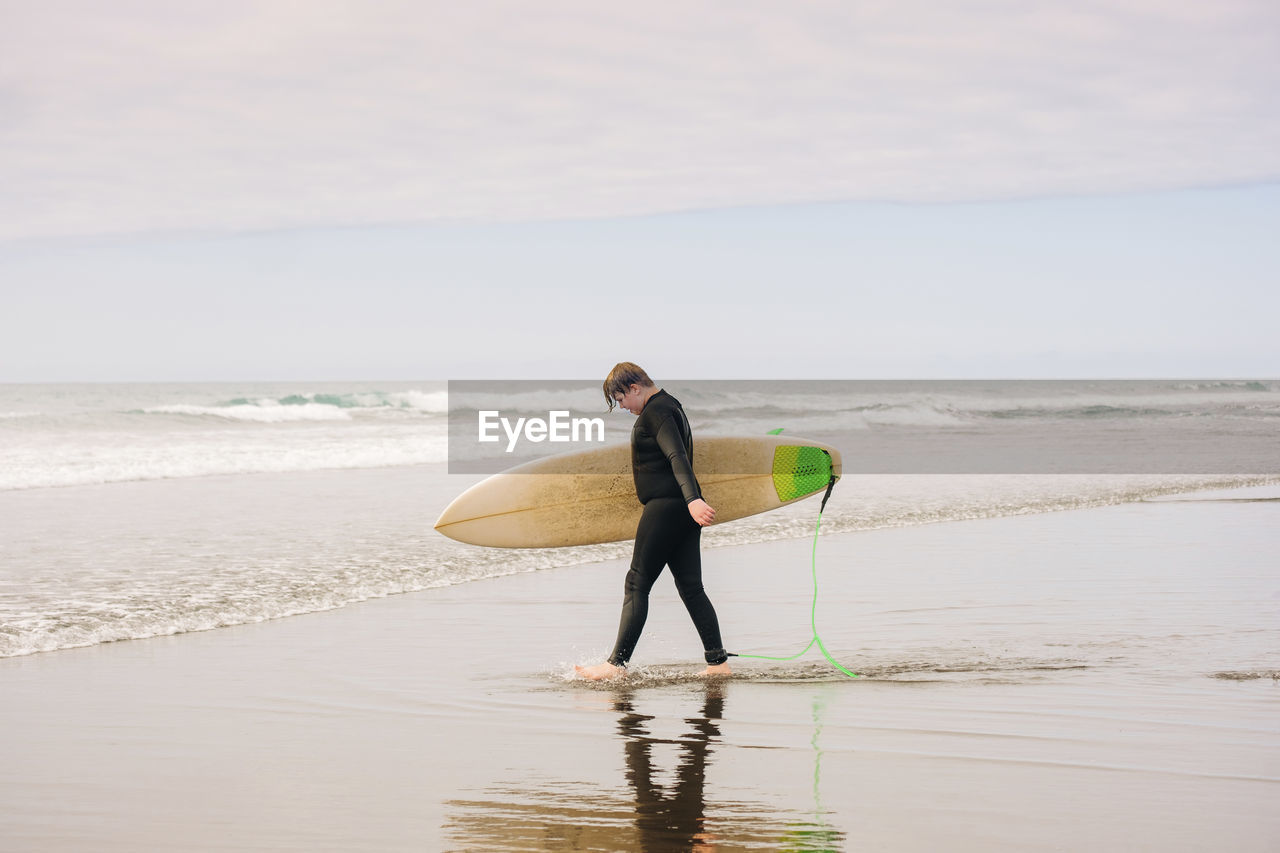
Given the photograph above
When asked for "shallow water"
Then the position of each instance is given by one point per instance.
(81, 565)
(1042, 682)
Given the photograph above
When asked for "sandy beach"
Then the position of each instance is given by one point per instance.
(1096, 679)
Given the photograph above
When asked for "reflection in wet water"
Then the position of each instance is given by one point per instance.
(646, 814)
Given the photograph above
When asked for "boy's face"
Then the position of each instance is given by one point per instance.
(632, 400)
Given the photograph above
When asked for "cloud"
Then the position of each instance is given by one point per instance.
(148, 116)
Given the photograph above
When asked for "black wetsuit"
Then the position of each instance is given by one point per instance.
(662, 466)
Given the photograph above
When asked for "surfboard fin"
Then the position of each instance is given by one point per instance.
(830, 485)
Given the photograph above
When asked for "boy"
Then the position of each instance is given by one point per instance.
(670, 529)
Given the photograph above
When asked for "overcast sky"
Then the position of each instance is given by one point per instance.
(322, 190)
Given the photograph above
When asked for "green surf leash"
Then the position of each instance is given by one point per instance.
(813, 608)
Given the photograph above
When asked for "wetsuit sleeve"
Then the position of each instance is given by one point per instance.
(671, 443)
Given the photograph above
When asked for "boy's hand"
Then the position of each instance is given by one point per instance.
(701, 512)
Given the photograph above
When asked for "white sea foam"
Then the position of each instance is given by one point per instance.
(933, 403)
(423, 401)
(923, 413)
(195, 566)
(917, 414)
(77, 435)
(519, 397)
(123, 460)
(312, 406)
(264, 411)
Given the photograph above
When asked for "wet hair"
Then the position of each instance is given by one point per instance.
(621, 378)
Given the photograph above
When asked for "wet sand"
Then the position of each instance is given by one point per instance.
(1100, 679)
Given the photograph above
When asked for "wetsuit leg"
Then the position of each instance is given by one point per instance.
(666, 534)
(686, 568)
(648, 557)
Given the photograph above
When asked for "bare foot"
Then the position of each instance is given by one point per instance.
(719, 670)
(600, 671)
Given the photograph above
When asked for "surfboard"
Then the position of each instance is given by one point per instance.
(588, 497)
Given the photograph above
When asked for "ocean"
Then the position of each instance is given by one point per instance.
(140, 510)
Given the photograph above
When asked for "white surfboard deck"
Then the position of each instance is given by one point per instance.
(588, 497)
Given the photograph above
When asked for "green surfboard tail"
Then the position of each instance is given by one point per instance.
(800, 471)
